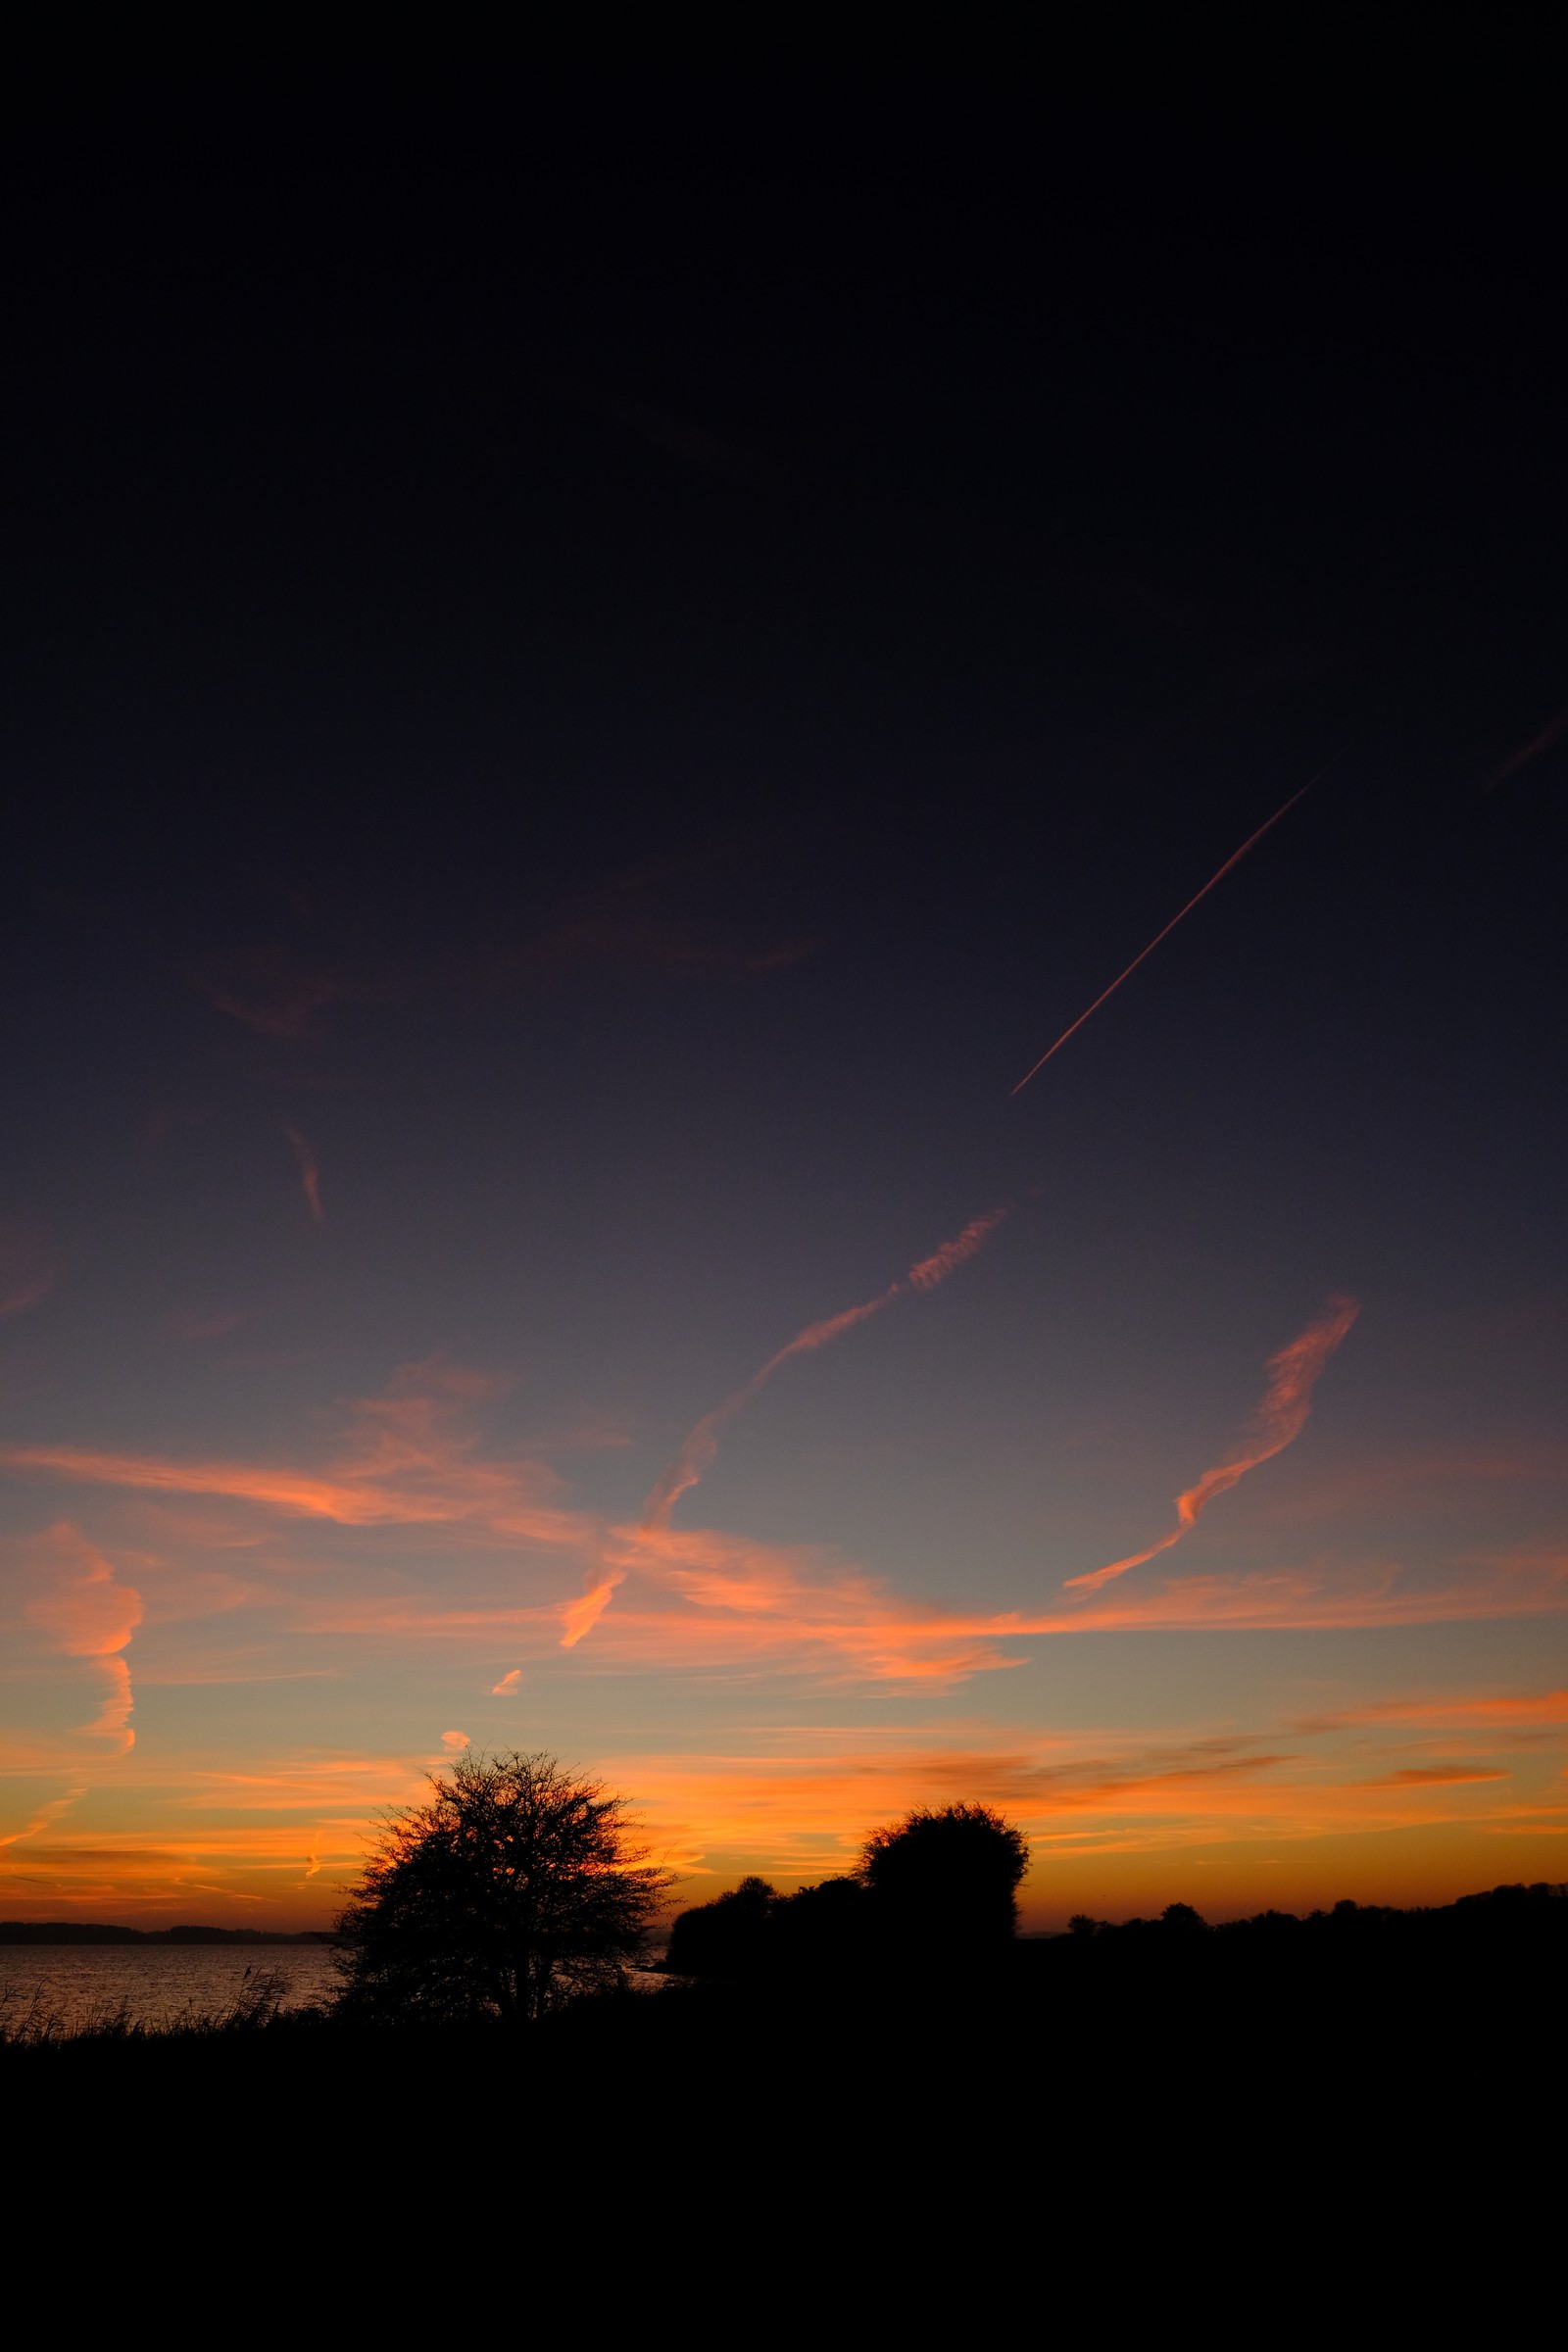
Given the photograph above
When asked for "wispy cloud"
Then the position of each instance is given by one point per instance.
(701, 1602)
(27, 1268)
(509, 1684)
(407, 1459)
(309, 1171)
(271, 989)
(580, 1616)
(717, 1600)
(1333, 1596)
(1281, 1417)
(44, 1817)
(653, 919)
(661, 920)
(80, 1604)
(1516, 1710)
(194, 1326)
(947, 1257)
(701, 1447)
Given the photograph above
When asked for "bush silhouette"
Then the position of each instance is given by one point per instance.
(946, 1876)
(726, 1938)
(512, 1888)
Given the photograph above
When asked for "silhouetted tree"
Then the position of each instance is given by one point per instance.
(513, 1888)
(1182, 1917)
(946, 1876)
(822, 1930)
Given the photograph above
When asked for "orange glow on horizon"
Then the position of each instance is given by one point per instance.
(1106, 1817)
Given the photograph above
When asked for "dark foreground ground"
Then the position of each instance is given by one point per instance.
(1346, 2126)
(1369, 2106)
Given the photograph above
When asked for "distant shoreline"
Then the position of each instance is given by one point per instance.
(70, 1931)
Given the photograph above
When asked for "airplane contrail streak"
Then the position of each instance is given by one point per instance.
(1234, 858)
(1292, 1375)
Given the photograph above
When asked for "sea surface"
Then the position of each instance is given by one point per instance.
(71, 1987)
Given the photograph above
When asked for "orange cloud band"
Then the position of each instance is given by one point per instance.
(404, 1483)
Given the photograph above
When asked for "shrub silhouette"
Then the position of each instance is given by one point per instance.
(726, 1938)
(821, 1929)
(516, 1887)
(946, 1876)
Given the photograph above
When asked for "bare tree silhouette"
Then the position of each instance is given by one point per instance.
(516, 1887)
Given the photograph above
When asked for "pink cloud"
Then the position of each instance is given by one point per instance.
(946, 1259)
(698, 1602)
(87, 1613)
(1281, 1417)
(581, 1616)
(406, 1458)
(81, 1605)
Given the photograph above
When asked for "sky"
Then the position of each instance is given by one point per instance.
(598, 667)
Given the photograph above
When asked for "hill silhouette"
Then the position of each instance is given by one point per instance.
(80, 1931)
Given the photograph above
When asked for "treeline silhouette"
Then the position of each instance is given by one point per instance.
(884, 2036)
(753, 1934)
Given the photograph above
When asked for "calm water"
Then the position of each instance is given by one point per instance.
(80, 1985)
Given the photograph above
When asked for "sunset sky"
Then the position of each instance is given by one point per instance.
(596, 671)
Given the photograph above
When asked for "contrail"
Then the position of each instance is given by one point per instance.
(701, 1447)
(1282, 1416)
(1250, 843)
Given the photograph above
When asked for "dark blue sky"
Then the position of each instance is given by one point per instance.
(602, 665)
